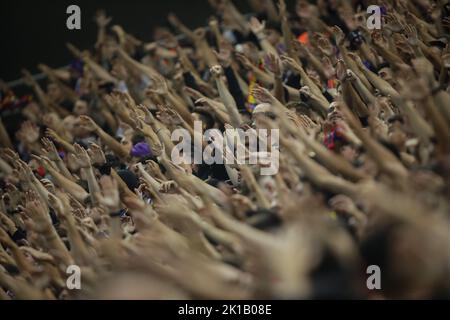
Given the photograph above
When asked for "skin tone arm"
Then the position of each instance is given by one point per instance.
(274, 65)
(102, 22)
(162, 133)
(365, 94)
(315, 172)
(311, 58)
(271, 10)
(262, 76)
(19, 258)
(249, 178)
(135, 65)
(339, 37)
(60, 204)
(30, 179)
(50, 151)
(203, 47)
(440, 98)
(59, 140)
(226, 96)
(258, 30)
(84, 162)
(352, 98)
(162, 89)
(440, 126)
(385, 160)
(71, 187)
(36, 211)
(67, 91)
(331, 160)
(214, 25)
(383, 86)
(112, 143)
(97, 69)
(42, 97)
(21, 288)
(5, 167)
(305, 78)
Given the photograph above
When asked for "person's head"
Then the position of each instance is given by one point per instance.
(251, 51)
(51, 120)
(79, 131)
(349, 152)
(334, 114)
(32, 112)
(205, 118)
(54, 92)
(261, 111)
(108, 48)
(273, 34)
(314, 75)
(69, 123)
(386, 74)
(126, 142)
(80, 108)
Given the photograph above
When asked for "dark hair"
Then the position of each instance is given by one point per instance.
(138, 137)
(382, 66)
(395, 118)
(206, 117)
(391, 147)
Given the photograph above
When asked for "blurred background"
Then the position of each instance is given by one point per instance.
(35, 31)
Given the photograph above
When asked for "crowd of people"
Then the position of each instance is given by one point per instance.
(363, 116)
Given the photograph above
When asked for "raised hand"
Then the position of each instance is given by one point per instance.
(341, 70)
(88, 124)
(338, 35)
(273, 64)
(101, 19)
(328, 68)
(246, 63)
(325, 46)
(216, 71)
(169, 117)
(173, 20)
(48, 185)
(82, 156)
(37, 212)
(256, 26)
(49, 149)
(303, 9)
(393, 23)
(224, 57)
(291, 63)
(262, 94)
(110, 193)
(28, 132)
(446, 56)
(167, 186)
(158, 87)
(96, 154)
(10, 156)
(411, 35)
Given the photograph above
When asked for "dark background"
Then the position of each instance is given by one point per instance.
(35, 31)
